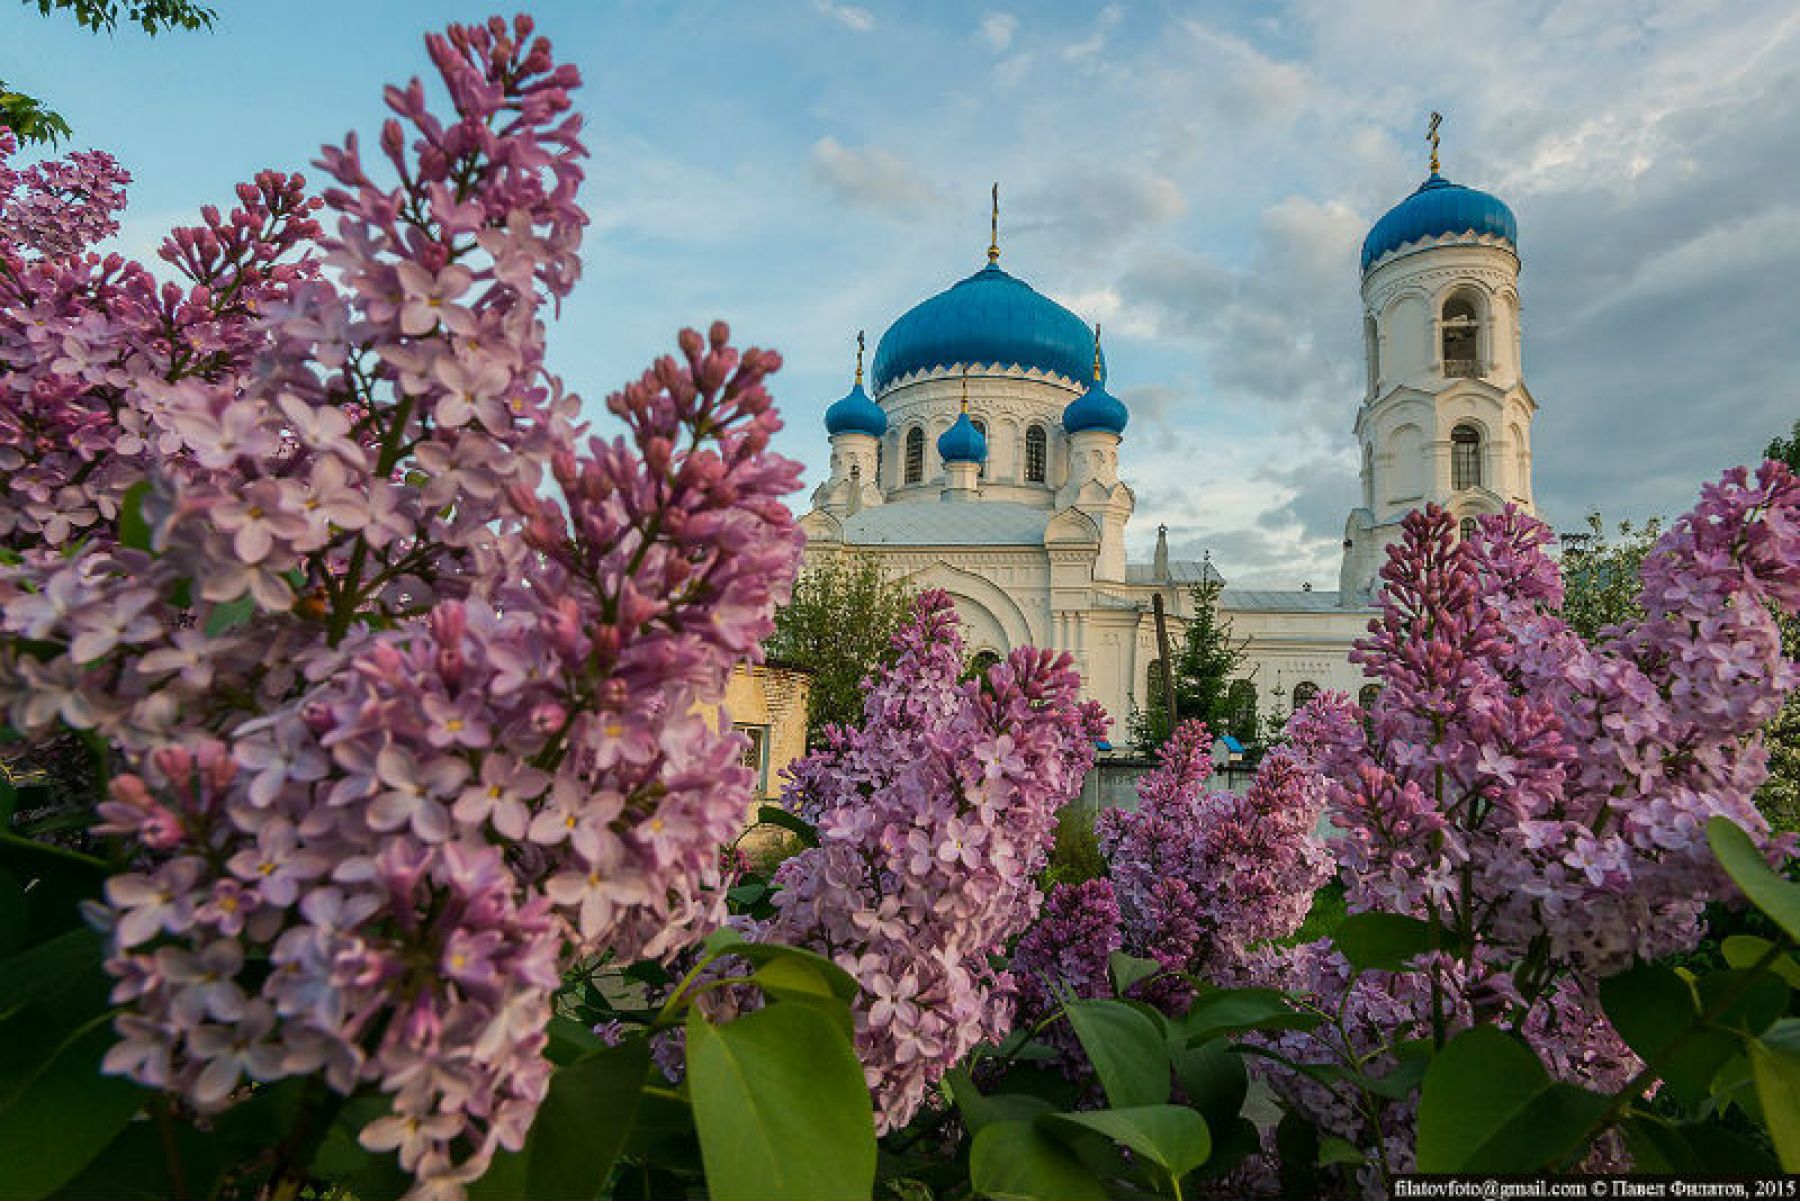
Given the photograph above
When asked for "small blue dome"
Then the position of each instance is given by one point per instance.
(856, 414)
(987, 320)
(1096, 409)
(1439, 207)
(962, 443)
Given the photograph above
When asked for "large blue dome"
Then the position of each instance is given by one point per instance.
(856, 414)
(1439, 207)
(988, 320)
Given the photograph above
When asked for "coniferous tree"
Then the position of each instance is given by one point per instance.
(1206, 668)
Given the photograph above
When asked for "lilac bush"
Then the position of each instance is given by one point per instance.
(933, 819)
(400, 734)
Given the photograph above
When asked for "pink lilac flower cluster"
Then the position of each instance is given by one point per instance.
(1201, 876)
(1547, 798)
(1068, 951)
(402, 733)
(933, 819)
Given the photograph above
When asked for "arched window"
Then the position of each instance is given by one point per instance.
(980, 428)
(1304, 691)
(878, 463)
(1461, 339)
(1466, 528)
(1465, 457)
(979, 664)
(1037, 455)
(915, 455)
(1366, 697)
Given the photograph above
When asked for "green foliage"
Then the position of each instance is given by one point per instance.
(1786, 450)
(579, 1131)
(1207, 686)
(1328, 909)
(1075, 855)
(1384, 942)
(839, 625)
(1600, 574)
(1779, 797)
(27, 117)
(1127, 1048)
(1488, 1105)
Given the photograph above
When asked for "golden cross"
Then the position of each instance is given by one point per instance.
(1096, 352)
(859, 352)
(994, 229)
(1431, 135)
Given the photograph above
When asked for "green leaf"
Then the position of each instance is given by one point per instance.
(781, 1106)
(135, 1167)
(1383, 942)
(1745, 951)
(230, 615)
(1704, 1149)
(1234, 1010)
(1765, 998)
(978, 1111)
(64, 1116)
(1335, 1150)
(774, 815)
(12, 913)
(1172, 1137)
(1488, 1106)
(134, 531)
(1775, 1062)
(1778, 898)
(1015, 1161)
(1297, 1148)
(1651, 1007)
(570, 1040)
(63, 972)
(579, 1130)
(1128, 970)
(840, 984)
(1214, 1079)
(1126, 1049)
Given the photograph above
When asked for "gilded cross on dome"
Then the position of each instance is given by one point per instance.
(994, 228)
(1431, 135)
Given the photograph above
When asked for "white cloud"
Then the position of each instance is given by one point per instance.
(872, 178)
(1091, 46)
(998, 29)
(847, 15)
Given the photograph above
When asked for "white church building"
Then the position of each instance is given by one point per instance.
(985, 457)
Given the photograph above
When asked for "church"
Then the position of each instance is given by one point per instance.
(984, 457)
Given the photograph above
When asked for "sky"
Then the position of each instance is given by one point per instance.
(1198, 177)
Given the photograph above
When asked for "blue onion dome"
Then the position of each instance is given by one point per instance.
(1096, 408)
(962, 442)
(1437, 209)
(990, 319)
(856, 413)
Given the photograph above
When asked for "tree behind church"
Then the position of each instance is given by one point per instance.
(1207, 683)
(839, 625)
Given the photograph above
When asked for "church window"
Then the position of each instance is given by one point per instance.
(1304, 691)
(915, 455)
(1037, 454)
(1466, 528)
(1465, 458)
(979, 664)
(1461, 328)
(1366, 698)
(980, 428)
(1240, 710)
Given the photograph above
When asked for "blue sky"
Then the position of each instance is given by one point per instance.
(1198, 177)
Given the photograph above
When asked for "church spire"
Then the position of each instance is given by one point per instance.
(994, 229)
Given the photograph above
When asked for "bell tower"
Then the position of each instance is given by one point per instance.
(1445, 417)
